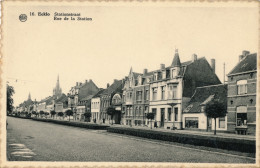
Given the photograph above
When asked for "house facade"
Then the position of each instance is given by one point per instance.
(242, 82)
(77, 97)
(135, 98)
(95, 107)
(194, 116)
(171, 88)
(106, 99)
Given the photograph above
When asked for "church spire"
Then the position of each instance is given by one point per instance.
(57, 90)
(29, 96)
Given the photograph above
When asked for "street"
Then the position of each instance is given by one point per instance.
(29, 140)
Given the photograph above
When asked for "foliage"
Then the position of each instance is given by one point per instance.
(87, 116)
(214, 110)
(150, 116)
(60, 114)
(111, 111)
(10, 101)
(53, 113)
(69, 113)
(41, 112)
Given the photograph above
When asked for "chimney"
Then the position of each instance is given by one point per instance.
(194, 57)
(77, 83)
(244, 54)
(108, 85)
(213, 64)
(145, 71)
(162, 66)
(80, 84)
(115, 80)
(86, 81)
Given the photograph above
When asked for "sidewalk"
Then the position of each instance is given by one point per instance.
(191, 132)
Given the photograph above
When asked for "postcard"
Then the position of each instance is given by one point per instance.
(129, 84)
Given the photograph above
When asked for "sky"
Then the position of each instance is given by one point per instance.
(118, 38)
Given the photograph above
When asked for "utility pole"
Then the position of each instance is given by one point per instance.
(224, 74)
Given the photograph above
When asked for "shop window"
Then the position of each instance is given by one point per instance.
(222, 122)
(191, 122)
(241, 115)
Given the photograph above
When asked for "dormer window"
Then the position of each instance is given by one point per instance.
(163, 74)
(173, 73)
(155, 76)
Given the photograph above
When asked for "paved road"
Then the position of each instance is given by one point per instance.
(29, 140)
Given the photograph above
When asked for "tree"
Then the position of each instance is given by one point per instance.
(10, 101)
(87, 116)
(46, 114)
(41, 113)
(150, 116)
(34, 112)
(60, 114)
(53, 113)
(111, 111)
(214, 110)
(69, 113)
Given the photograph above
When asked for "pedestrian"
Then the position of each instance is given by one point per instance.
(155, 124)
(95, 120)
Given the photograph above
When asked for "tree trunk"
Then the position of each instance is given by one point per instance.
(215, 131)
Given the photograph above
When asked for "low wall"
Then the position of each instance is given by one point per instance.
(241, 145)
(75, 124)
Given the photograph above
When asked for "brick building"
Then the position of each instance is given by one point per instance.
(242, 82)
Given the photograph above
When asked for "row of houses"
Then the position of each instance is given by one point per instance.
(177, 94)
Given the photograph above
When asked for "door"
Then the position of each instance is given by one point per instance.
(162, 117)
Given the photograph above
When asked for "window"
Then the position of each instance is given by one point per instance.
(130, 95)
(241, 115)
(155, 76)
(146, 109)
(191, 122)
(163, 92)
(131, 111)
(136, 111)
(146, 95)
(172, 91)
(163, 74)
(159, 75)
(140, 111)
(241, 87)
(221, 123)
(169, 114)
(175, 114)
(154, 110)
(139, 95)
(154, 93)
(173, 73)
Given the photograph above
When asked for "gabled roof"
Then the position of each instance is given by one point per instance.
(99, 93)
(247, 64)
(111, 89)
(206, 94)
(62, 99)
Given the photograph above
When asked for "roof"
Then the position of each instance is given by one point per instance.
(62, 99)
(206, 94)
(176, 60)
(99, 93)
(118, 84)
(197, 74)
(246, 64)
(87, 98)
